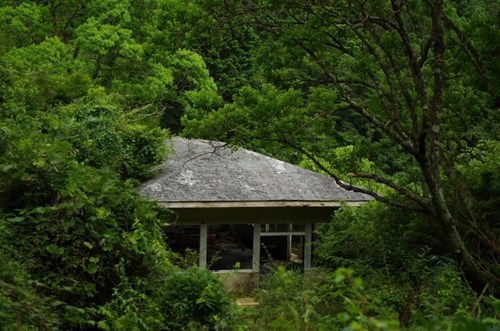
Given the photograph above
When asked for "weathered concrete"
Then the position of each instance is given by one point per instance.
(247, 302)
(240, 282)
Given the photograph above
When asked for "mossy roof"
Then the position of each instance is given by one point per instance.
(208, 173)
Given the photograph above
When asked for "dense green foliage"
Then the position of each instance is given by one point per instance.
(412, 275)
(183, 299)
(341, 300)
(68, 221)
(409, 84)
(397, 99)
(75, 235)
(203, 302)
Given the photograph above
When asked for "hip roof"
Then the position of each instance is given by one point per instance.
(202, 173)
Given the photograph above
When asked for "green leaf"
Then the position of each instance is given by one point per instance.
(40, 163)
(57, 303)
(7, 167)
(92, 268)
(54, 249)
(94, 259)
(88, 245)
(16, 219)
(89, 287)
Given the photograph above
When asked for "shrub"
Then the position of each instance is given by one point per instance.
(72, 225)
(21, 307)
(336, 300)
(131, 309)
(411, 275)
(193, 296)
(102, 137)
(145, 150)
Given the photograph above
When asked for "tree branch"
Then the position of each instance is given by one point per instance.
(470, 50)
(350, 187)
(359, 109)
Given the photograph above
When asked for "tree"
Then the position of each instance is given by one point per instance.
(74, 230)
(417, 90)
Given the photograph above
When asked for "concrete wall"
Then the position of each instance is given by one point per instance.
(241, 282)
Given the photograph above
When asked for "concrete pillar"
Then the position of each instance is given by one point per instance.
(256, 248)
(307, 246)
(203, 245)
(289, 243)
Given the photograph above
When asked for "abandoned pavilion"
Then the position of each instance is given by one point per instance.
(239, 209)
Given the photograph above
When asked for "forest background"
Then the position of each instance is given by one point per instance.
(396, 99)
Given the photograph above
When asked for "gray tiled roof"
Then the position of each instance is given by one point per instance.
(208, 171)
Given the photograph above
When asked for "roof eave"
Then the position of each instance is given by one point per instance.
(258, 204)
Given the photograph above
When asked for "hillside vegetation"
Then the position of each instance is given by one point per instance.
(397, 99)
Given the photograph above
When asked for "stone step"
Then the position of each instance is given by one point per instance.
(247, 302)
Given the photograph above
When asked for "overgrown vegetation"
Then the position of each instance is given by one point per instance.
(397, 99)
(340, 300)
